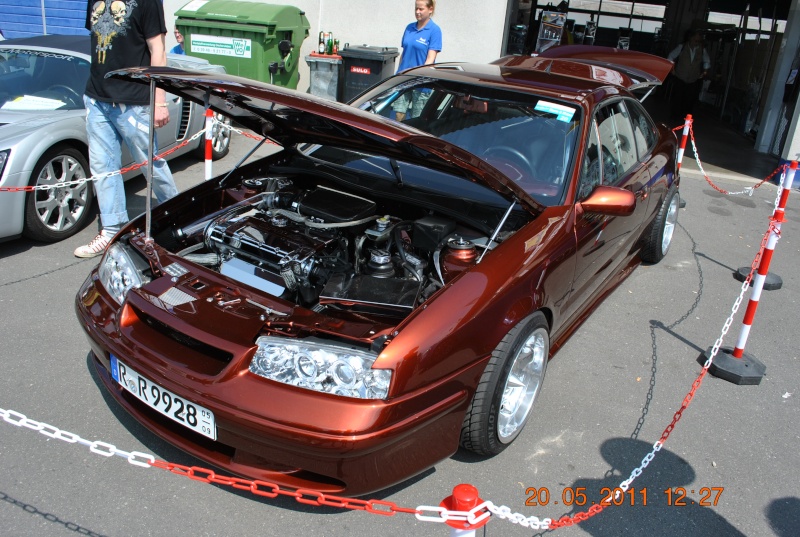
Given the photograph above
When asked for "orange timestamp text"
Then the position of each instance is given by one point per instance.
(577, 496)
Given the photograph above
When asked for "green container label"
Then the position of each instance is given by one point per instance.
(221, 46)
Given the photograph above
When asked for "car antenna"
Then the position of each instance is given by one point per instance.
(397, 173)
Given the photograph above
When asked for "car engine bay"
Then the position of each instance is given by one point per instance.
(327, 249)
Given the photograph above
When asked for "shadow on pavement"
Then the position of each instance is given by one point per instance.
(646, 509)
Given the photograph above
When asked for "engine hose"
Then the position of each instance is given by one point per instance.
(203, 259)
(322, 225)
(398, 242)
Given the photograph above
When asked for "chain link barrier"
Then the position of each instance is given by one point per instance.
(437, 514)
(386, 508)
(747, 190)
(161, 156)
(625, 485)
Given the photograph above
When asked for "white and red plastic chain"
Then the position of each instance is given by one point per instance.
(748, 190)
(126, 169)
(381, 507)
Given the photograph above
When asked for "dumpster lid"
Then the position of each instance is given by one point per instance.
(291, 118)
(323, 58)
(242, 11)
(366, 52)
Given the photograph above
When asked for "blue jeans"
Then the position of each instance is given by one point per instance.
(107, 126)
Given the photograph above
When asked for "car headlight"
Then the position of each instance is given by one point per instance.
(3, 159)
(321, 367)
(120, 271)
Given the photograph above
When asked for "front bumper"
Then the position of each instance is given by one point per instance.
(269, 431)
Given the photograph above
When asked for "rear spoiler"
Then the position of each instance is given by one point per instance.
(642, 69)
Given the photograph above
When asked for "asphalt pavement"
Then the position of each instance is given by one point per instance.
(729, 466)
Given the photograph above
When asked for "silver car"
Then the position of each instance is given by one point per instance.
(43, 134)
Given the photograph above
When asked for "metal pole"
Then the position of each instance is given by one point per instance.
(44, 20)
(743, 29)
(599, 9)
(150, 153)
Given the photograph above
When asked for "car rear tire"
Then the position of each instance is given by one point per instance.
(57, 213)
(508, 388)
(658, 237)
(220, 139)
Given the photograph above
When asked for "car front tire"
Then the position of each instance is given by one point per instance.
(658, 237)
(508, 388)
(57, 213)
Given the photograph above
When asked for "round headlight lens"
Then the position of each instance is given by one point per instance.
(321, 367)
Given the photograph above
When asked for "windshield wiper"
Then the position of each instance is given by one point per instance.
(397, 173)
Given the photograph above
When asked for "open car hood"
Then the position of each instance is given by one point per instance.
(627, 68)
(289, 118)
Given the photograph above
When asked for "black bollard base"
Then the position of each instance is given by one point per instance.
(772, 281)
(746, 370)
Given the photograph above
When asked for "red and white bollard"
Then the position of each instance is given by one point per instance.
(464, 499)
(682, 147)
(209, 132)
(735, 365)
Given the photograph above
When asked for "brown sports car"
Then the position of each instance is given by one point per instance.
(346, 312)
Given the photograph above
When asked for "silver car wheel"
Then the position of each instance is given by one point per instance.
(221, 136)
(669, 224)
(60, 208)
(522, 385)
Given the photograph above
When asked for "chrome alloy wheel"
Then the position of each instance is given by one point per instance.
(221, 135)
(60, 208)
(522, 385)
(670, 222)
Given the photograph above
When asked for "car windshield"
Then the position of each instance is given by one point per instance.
(528, 138)
(41, 80)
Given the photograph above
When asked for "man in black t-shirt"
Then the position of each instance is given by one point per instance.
(124, 34)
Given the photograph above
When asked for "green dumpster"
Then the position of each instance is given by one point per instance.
(250, 39)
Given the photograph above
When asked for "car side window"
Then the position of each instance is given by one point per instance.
(617, 141)
(591, 166)
(644, 130)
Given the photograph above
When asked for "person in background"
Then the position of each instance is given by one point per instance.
(422, 41)
(123, 35)
(691, 67)
(178, 49)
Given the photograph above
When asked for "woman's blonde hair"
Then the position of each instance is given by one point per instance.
(431, 4)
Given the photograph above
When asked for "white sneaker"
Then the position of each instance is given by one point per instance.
(96, 247)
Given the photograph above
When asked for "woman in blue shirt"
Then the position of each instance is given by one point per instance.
(422, 41)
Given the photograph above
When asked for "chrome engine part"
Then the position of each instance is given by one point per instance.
(323, 248)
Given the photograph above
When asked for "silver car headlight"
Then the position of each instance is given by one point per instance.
(321, 367)
(3, 159)
(120, 271)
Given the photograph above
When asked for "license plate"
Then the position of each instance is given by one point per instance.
(176, 408)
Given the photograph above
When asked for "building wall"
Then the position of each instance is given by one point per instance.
(23, 18)
(381, 23)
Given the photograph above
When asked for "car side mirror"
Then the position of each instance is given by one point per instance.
(609, 200)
